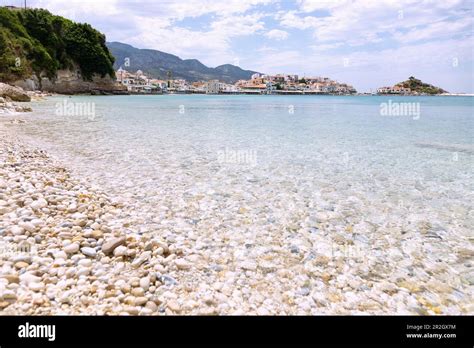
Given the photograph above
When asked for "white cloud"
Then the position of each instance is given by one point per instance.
(290, 19)
(277, 34)
(241, 25)
(325, 47)
(211, 46)
(437, 30)
(381, 38)
(147, 24)
(313, 5)
(365, 22)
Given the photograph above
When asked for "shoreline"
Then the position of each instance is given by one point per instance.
(264, 94)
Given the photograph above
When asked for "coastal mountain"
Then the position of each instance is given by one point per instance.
(35, 42)
(159, 64)
(418, 86)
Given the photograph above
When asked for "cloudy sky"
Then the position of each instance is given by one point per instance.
(368, 43)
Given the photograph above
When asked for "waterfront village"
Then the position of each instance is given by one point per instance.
(139, 83)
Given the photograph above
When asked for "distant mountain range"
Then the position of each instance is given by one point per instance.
(158, 64)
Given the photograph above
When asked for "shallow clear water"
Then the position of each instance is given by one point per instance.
(262, 149)
(318, 136)
(255, 142)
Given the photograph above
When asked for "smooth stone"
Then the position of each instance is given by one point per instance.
(22, 257)
(85, 262)
(145, 283)
(168, 280)
(36, 286)
(17, 230)
(182, 264)
(39, 204)
(138, 292)
(132, 310)
(21, 264)
(140, 301)
(9, 296)
(60, 255)
(110, 245)
(71, 248)
(120, 251)
(89, 251)
(78, 216)
(97, 234)
(174, 306)
(28, 278)
(4, 304)
(83, 271)
(28, 226)
(151, 306)
(80, 223)
(12, 278)
(141, 259)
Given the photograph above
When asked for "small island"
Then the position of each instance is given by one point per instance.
(412, 86)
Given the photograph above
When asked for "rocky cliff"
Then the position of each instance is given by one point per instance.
(71, 82)
(13, 93)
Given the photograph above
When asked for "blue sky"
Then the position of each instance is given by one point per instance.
(368, 43)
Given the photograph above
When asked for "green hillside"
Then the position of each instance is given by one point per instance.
(34, 41)
(417, 86)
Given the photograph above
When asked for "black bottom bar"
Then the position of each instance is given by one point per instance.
(78, 331)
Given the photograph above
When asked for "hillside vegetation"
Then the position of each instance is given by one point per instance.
(33, 41)
(417, 86)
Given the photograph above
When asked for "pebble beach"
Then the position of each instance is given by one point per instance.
(70, 246)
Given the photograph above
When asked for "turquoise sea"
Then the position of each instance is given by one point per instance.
(319, 136)
(249, 143)
(258, 149)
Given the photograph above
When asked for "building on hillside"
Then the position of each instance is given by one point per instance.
(401, 90)
(291, 78)
(384, 90)
(198, 87)
(228, 88)
(212, 87)
(179, 85)
(160, 84)
(394, 90)
(136, 83)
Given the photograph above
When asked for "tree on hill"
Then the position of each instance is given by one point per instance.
(33, 41)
